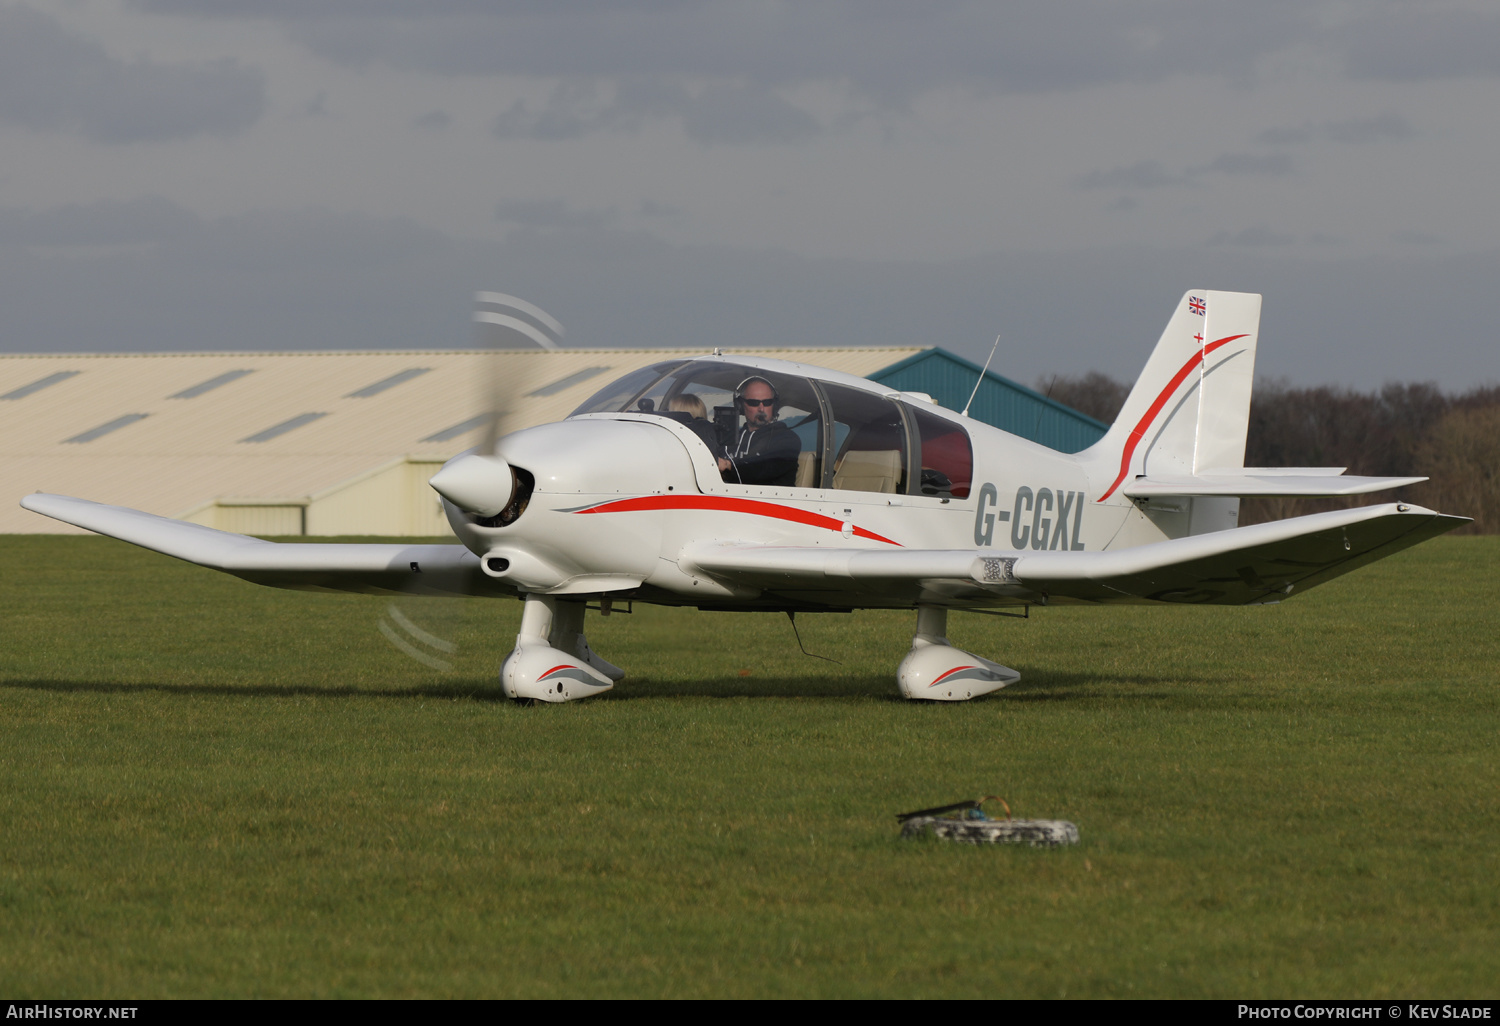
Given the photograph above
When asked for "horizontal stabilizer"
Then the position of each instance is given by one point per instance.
(379, 569)
(1246, 565)
(1307, 481)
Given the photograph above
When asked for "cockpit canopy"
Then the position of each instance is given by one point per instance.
(850, 439)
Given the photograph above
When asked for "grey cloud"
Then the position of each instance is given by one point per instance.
(433, 120)
(53, 79)
(729, 114)
(717, 113)
(889, 52)
(149, 219)
(1410, 237)
(1257, 237)
(1152, 174)
(1145, 174)
(552, 213)
(1285, 136)
(316, 280)
(1365, 130)
(1355, 131)
(268, 280)
(553, 121)
(651, 208)
(1251, 164)
(1415, 44)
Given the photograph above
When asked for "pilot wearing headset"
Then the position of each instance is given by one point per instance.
(765, 450)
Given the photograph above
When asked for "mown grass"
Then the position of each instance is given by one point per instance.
(212, 789)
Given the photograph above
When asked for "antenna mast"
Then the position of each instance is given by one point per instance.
(983, 371)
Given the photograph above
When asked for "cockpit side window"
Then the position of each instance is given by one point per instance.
(946, 457)
(787, 452)
(699, 394)
(869, 442)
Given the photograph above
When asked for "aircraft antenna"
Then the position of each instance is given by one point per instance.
(1037, 427)
(983, 371)
(792, 618)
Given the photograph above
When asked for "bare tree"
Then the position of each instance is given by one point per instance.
(1095, 394)
(1462, 456)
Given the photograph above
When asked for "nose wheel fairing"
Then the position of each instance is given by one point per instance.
(552, 660)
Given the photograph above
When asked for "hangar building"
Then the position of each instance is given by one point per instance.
(343, 443)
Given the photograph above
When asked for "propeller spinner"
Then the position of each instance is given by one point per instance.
(476, 483)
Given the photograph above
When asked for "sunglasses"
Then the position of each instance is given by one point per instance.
(759, 402)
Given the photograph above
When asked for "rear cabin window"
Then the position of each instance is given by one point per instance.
(947, 459)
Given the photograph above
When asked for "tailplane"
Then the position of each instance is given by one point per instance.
(1190, 408)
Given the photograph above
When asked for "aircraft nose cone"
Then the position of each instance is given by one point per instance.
(476, 484)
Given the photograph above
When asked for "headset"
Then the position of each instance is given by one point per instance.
(739, 394)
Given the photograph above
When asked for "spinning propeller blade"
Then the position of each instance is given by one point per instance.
(480, 482)
(426, 631)
(504, 322)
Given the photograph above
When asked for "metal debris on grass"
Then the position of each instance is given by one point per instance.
(972, 826)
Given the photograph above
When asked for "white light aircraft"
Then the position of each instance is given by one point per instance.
(832, 492)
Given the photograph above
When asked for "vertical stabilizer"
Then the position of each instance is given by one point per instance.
(1190, 408)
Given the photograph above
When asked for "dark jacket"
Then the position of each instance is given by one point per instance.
(767, 456)
(700, 427)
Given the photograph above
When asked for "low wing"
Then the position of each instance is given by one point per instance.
(377, 569)
(1248, 481)
(1247, 565)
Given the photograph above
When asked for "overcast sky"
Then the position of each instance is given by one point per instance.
(296, 174)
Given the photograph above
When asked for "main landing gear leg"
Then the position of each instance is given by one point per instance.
(936, 671)
(546, 665)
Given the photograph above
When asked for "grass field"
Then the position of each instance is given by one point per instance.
(213, 789)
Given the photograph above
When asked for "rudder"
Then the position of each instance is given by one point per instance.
(1190, 408)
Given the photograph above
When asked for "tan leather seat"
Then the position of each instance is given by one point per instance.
(807, 467)
(869, 470)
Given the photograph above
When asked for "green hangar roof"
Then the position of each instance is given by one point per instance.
(1001, 402)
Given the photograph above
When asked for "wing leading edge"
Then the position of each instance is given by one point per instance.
(376, 569)
(1244, 566)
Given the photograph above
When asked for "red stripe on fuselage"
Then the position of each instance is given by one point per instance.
(726, 504)
(1156, 407)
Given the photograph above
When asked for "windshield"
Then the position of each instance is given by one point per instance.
(622, 393)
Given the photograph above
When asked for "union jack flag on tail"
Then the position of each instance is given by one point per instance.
(1197, 305)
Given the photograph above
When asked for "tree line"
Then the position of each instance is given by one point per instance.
(1397, 431)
